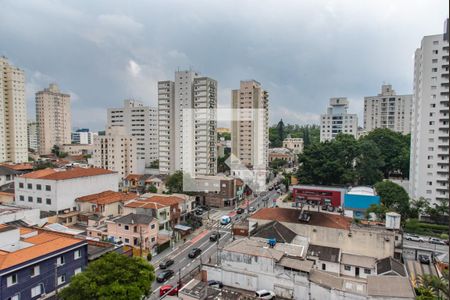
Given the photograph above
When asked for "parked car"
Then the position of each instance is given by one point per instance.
(264, 294)
(214, 236)
(436, 241)
(414, 238)
(195, 252)
(164, 276)
(424, 259)
(166, 264)
(168, 289)
(215, 283)
(240, 210)
(225, 220)
(251, 209)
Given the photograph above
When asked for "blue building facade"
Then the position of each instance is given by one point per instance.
(36, 278)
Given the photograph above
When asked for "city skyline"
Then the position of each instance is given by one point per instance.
(125, 54)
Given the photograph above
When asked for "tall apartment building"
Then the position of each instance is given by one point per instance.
(250, 124)
(32, 129)
(388, 110)
(54, 118)
(337, 120)
(83, 136)
(141, 122)
(429, 174)
(187, 124)
(13, 114)
(117, 151)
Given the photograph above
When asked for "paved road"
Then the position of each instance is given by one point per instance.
(416, 269)
(425, 246)
(184, 265)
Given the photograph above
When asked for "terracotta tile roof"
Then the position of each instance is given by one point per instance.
(19, 167)
(290, 215)
(44, 243)
(155, 201)
(165, 200)
(107, 197)
(52, 174)
(144, 204)
(133, 177)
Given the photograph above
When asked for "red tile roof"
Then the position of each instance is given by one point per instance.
(107, 197)
(52, 174)
(44, 243)
(133, 176)
(19, 167)
(144, 204)
(155, 201)
(290, 215)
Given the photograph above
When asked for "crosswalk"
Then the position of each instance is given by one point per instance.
(217, 226)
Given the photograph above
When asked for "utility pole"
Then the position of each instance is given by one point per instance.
(56, 279)
(140, 242)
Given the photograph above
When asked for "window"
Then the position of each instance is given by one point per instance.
(61, 279)
(21, 198)
(35, 271)
(324, 267)
(11, 280)
(77, 254)
(36, 291)
(15, 297)
(366, 271)
(30, 199)
(39, 200)
(29, 186)
(60, 261)
(127, 241)
(347, 268)
(48, 201)
(126, 227)
(21, 185)
(38, 187)
(77, 271)
(48, 188)
(152, 226)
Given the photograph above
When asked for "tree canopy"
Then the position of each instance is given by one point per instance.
(393, 197)
(113, 276)
(174, 182)
(278, 132)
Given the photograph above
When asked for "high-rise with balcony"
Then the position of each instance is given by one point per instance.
(337, 120)
(141, 122)
(13, 113)
(54, 118)
(388, 110)
(33, 136)
(429, 165)
(250, 125)
(187, 124)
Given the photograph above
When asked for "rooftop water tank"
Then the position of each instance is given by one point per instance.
(393, 220)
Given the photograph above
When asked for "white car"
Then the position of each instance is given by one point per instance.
(414, 238)
(264, 294)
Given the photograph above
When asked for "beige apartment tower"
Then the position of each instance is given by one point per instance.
(13, 114)
(53, 117)
(250, 125)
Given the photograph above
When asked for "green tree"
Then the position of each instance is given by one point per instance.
(378, 209)
(154, 164)
(225, 135)
(277, 163)
(418, 207)
(393, 197)
(437, 284)
(151, 189)
(174, 182)
(113, 276)
(369, 163)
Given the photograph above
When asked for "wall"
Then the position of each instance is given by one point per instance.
(149, 234)
(360, 201)
(30, 215)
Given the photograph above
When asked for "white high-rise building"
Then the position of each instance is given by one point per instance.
(429, 174)
(83, 137)
(187, 124)
(141, 122)
(13, 114)
(338, 120)
(250, 125)
(388, 110)
(33, 136)
(54, 118)
(117, 151)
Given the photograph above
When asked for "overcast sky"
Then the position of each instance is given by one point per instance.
(303, 52)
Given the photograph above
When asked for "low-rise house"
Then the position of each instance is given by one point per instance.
(357, 265)
(28, 256)
(216, 191)
(140, 183)
(77, 149)
(55, 190)
(11, 213)
(136, 230)
(107, 203)
(156, 181)
(293, 144)
(157, 210)
(325, 258)
(282, 154)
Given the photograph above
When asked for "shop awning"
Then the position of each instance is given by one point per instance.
(182, 227)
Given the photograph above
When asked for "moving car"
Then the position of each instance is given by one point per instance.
(414, 238)
(198, 211)
(166, 264)
(215, 283)
(264, 294)
(240, 210)
(251, 209)
(169, 290)
(225, 220)
(424, 259)
(164, 275)
(195, 252)
(436, 241)
(215, 236)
